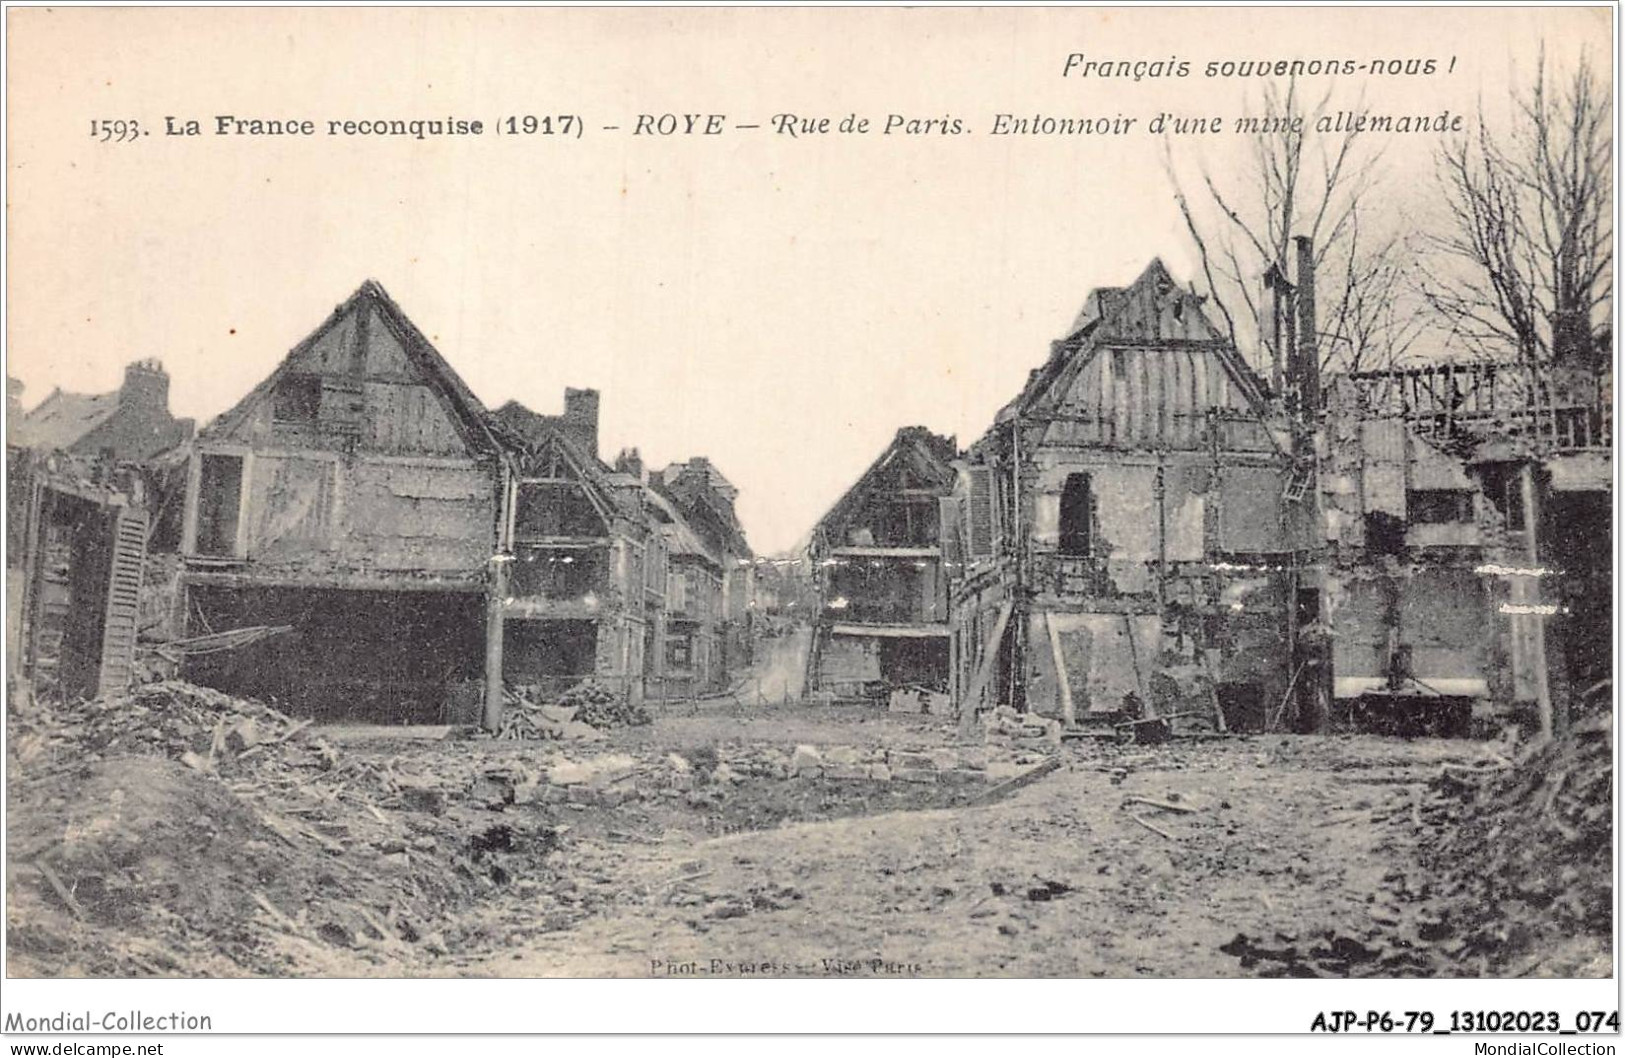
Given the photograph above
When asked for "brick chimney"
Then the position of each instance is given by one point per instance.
(630, 462)
(581, 417)
(146, 386)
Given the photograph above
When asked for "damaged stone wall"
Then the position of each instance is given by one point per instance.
(314, 514)
(1102, 659)
(1412, 539)
(1173, 536)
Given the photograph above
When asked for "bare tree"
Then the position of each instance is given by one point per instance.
(1524, 270)
(1375, 318)
(1295, 182)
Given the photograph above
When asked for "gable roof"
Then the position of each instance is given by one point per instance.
(680, 536)
(62, 418)
(712, 517)
(927, 452)
(372, 304)
(1152, 309)
(713, 477)
(707, 501)
(523, 434)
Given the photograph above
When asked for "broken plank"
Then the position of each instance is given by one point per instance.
(1165, 805)
(271, 909)
(1026, 778)
(292, 731)
(1152, 827)
(61, 890)
(1153, 719)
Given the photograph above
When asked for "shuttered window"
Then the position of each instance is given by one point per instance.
(981, 518)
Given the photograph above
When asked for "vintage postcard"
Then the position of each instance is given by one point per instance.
(880, 494)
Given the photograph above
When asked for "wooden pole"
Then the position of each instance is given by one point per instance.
(1531, 520)
(496, 591)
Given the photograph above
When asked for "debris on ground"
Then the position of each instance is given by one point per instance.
(1006, 723)
(231, 838)
(176, 831)
(584, 712)
(1519, 852)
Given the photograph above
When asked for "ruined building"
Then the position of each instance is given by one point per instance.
(1152, 529)
(413, 557)
(881, 564)
(1468, 513)
(78, 517)
(576, 604)
(76, 560)
(1129, 544)
(358, 496)
(689, 661)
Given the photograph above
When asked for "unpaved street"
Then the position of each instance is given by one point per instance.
(1057, 880)
(799, 840)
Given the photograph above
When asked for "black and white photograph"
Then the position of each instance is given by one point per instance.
(1100, 495)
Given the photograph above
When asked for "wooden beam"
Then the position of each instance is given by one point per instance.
(967, 705)
(1069, 715)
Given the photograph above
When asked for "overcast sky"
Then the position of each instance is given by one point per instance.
(782, 306)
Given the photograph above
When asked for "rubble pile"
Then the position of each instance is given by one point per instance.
(586, 711)
(1523, 852)
(202, 728)
(602, 707)
(235, 840)
(1004, 723)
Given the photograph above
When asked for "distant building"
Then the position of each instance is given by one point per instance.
(705, 499)
(129, 425)
(691, 655)
(879, 560)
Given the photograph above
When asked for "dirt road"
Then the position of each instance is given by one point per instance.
(698, 846)
(1276, 869)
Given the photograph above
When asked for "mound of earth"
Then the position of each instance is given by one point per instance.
(1523, 859)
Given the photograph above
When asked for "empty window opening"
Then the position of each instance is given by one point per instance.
(1384, 534)
(885, 590)
(556, 508)
(1308, 607)
(558, 572)
(1077, 511)
(899, 521)
(220, 493)
(1439, 506)
(298, 399)
(1513, 505)
(914, 663)
(555, 654)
